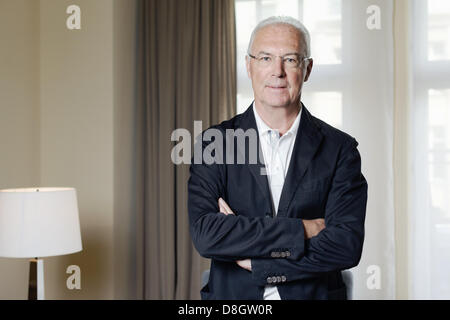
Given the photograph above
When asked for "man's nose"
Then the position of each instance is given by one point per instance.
(278, 67)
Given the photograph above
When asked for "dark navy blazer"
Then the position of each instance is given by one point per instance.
(324, 180)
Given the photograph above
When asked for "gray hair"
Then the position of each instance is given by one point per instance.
(288, 21)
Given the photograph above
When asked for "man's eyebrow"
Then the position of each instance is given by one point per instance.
(263, 52)
(286, 54)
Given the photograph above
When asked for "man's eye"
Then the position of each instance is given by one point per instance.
(266, 58)
(291, 60)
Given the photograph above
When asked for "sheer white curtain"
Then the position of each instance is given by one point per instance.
(351, 88)
(430, 152)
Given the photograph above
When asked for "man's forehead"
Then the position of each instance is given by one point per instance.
(279, 37)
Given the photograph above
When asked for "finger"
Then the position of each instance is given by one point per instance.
(226, 206)
(222, 204)
(322, 223)
(222, 208)
(245, 264)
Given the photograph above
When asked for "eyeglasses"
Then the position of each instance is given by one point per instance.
(289, 61)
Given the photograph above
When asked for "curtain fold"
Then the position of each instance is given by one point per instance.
(186, 72)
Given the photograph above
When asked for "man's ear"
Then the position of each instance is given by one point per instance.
(247, 65)
(308, 70)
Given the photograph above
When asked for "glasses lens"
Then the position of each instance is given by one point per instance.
(291, 61)
(265, 60)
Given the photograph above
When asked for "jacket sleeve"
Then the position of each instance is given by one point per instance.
(234, 237)
(339, 245)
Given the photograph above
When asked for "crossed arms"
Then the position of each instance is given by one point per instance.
(312, 228)
(304, 248)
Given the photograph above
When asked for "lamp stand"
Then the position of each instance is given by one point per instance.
(36, 280)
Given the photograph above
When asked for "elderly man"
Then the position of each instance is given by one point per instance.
(287, 232)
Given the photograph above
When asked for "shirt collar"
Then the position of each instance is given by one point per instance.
(264, 129)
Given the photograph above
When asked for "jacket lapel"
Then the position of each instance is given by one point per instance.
(307, 142)
(248, 121)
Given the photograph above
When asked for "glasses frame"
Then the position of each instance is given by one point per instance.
(301, 59)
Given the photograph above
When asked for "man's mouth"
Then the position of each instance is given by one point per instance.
(276, 87)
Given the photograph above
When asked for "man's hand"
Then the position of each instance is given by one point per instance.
(225, 209)
(313, 227)
(245, 264)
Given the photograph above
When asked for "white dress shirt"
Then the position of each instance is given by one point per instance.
(277, 153)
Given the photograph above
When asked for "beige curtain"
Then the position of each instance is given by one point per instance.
(187, 72)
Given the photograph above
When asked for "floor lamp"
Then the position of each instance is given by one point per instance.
(37, 223)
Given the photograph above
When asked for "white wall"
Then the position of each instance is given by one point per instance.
(75, 130)
(19, 117)
(124, 62)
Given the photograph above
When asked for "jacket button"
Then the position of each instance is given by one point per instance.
(283, 254)
(278, 279)
(273, 254)
(268, 215)
(269, 279)
(283, 279)
(288, 254)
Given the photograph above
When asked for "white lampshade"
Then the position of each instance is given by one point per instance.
(39, 222)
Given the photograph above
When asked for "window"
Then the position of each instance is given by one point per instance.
(438, 30)
(431, 150)
(323, 18)
(351, 88)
